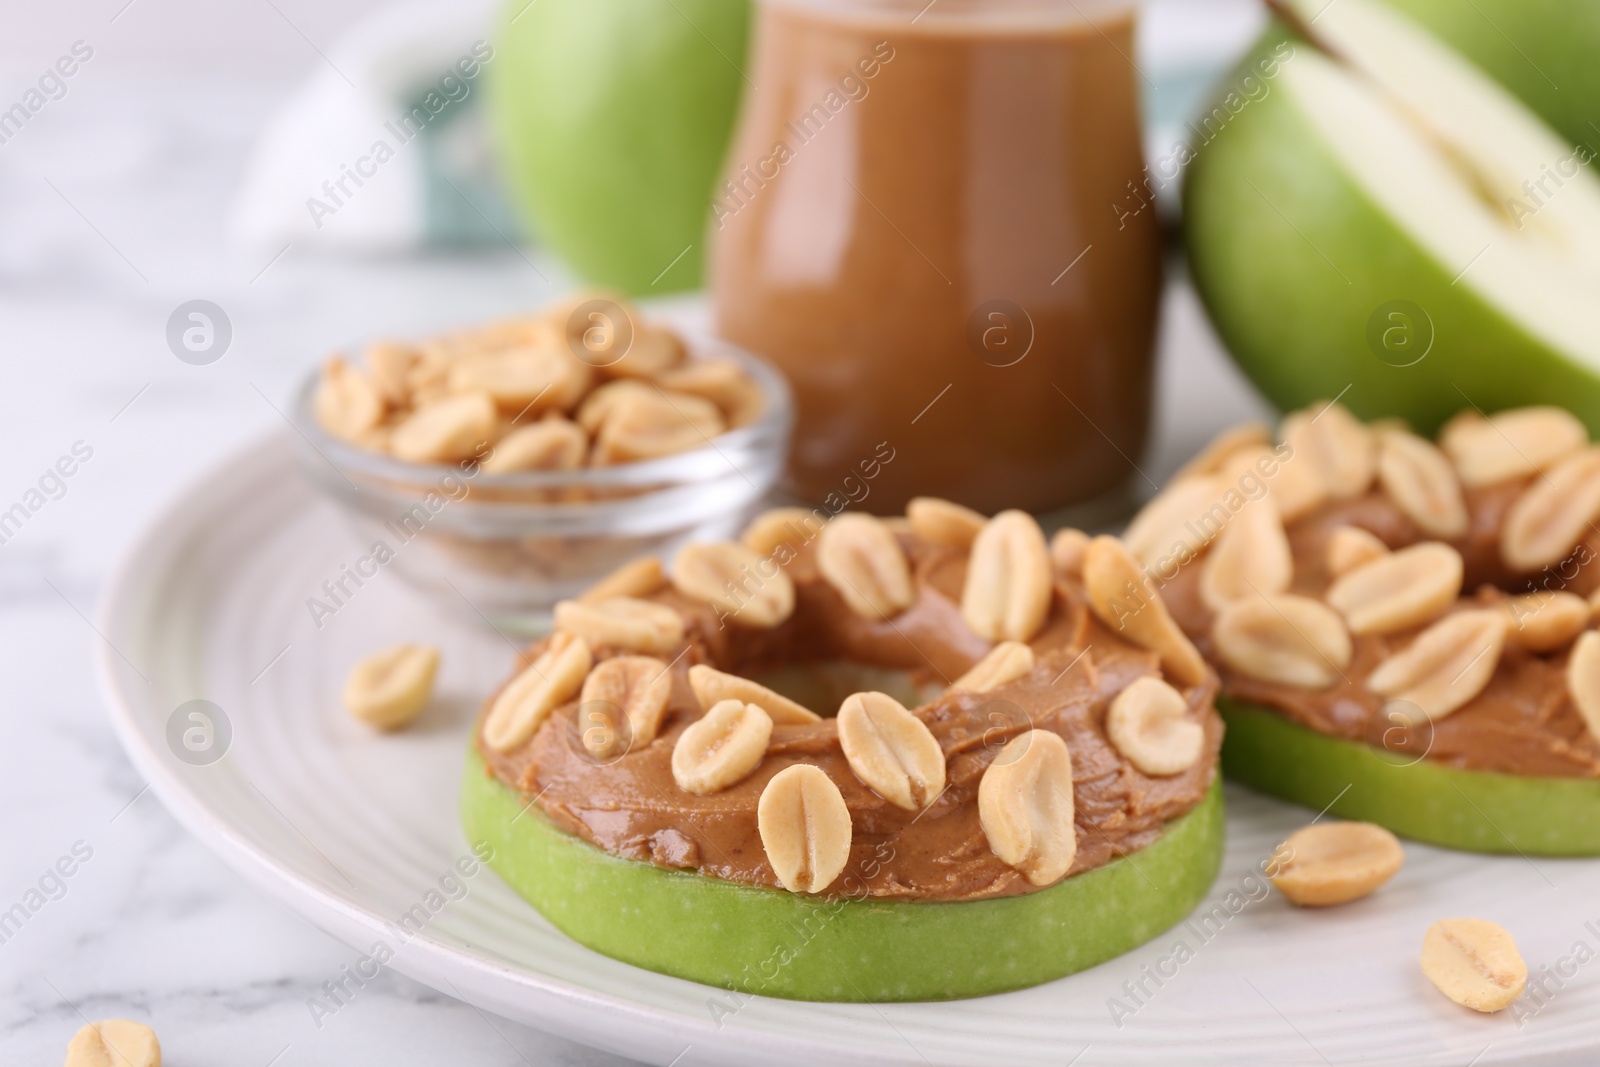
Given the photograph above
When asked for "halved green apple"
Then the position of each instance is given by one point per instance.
(1361, 227)
(778, 944)
(1542, 50)
(1470, 810)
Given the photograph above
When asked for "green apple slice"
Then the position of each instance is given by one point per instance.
(1475, 811)
(777, 944)
(1396, 228)
(1541, 50)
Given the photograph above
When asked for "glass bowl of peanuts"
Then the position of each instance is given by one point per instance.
(504, 467)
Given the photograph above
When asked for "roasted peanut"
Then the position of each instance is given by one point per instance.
(114, 1043)
(1474, 962)
(347, 404)
(1009, 579)
(636, 579)
(891, 750)
(389, 689)
(781, 534)
(735, 580)
(939, 522)
(722, 748)
(1005, 663)
(622, 622)
(1025, 806)
(1349, 547)
(861, 559)
(1511, 444)
(1291, 640)
(1445, 666)
(1123, 598)
(1250, 558)
(712, 686)
(1149, 724)
(1422, 483)
(805, 828)
(446, 430)
(1553, 514)
(1544, 622)
(552, 444)
(636, 688)
(1337, 444)
(1335, 862)
(529, 698)
(1399, 590)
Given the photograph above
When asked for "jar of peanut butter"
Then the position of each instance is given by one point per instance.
(922, 225)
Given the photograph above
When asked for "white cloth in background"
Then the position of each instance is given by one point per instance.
(385, 147)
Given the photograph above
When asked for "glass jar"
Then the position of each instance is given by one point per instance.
(923, 223)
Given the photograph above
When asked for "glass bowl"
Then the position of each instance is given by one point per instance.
(506, 547)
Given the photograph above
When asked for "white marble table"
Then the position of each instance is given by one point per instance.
(110, 217)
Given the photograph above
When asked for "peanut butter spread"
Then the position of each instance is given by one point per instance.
(630, 806)
(1523, 720)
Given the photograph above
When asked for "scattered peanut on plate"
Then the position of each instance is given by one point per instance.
(389, 688)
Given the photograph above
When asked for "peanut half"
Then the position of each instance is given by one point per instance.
(1179, 521)
(1009, 579)
(1474, 962)
(1335, 862)
(1399, 590)
(1006, 662)
(781, 534)
(1123, 598)
(446, 430)
(1511, 444)
(1066, 552)
(1422, 483)
(1553, 514)
(805, 828)
(860, 557)
(1544, 622)
(712, 686)
(346, 403)
(638, 578)
(1225, 446)
(1025, 806)
(649, 423)
(529, 698)
(622, 622)
(729, 577)
(114, 1043)
(552, 444)
(525, 378)
(1250, 557)
(1349, 547)
(1148, 723)
(634, 688)
(389, 689)
(891, 750)
(722, 748)
(939, 522)
(1336, 444)
(1445, 666)
(1583, 680)
(1291, 640)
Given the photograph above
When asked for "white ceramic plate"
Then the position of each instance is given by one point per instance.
(353, 830)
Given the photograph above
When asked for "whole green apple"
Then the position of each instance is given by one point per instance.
(1395, 229)
(1413, 797)
(778, 944)
(1544, 51)
(611, 118)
